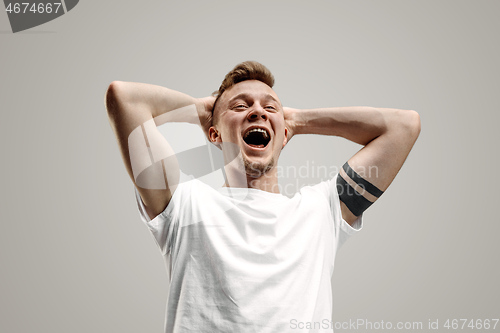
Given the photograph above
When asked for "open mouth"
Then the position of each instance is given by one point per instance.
(257, 137)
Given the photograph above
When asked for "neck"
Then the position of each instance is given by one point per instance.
(268, 182)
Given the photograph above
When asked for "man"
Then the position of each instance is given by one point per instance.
(244, 258)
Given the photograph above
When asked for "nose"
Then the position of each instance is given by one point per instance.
(257, 113)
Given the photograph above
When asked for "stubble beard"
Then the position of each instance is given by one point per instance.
(234, 158)
(255, 169)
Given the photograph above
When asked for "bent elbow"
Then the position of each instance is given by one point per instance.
(415, 122)
(411, 123)
(111, 97)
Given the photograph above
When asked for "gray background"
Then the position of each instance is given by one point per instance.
(75, 255)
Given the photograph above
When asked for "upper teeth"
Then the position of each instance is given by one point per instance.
(257, 130)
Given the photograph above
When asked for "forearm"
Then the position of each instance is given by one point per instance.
(140, 100)
(360, 124)
(135, 110)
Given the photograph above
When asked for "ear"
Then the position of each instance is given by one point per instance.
(214, 136)
(285, 139)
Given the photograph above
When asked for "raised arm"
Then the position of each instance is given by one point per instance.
(134, 111)
(387, 135)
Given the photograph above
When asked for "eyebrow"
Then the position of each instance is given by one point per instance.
(245, 95)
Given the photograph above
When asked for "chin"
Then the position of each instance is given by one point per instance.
(257, 169)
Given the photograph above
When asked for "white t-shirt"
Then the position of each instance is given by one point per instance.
(246, 260)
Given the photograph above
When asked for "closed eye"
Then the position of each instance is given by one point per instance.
(240, 106)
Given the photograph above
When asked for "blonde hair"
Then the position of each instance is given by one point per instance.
(247, 70)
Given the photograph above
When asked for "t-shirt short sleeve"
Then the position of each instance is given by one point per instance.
(163, 225)
(342, 228)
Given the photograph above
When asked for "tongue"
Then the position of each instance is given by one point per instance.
(257, 146)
